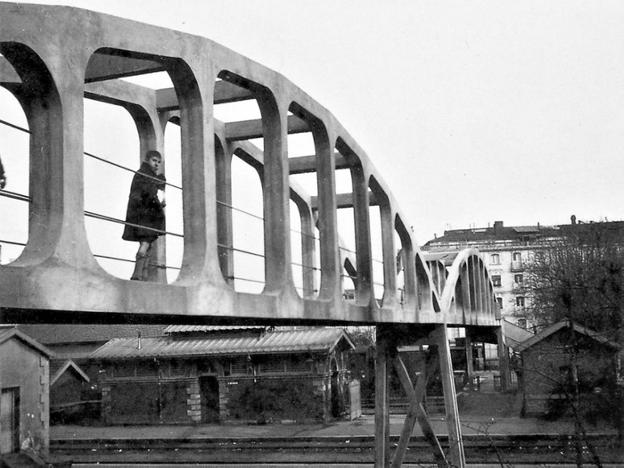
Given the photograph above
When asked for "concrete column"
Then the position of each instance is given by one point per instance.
(53, 104)
(408, 259)
(389, 255)
(223, 157)
(327, 212)
(363, 292)
(200, 259)
(276, 194)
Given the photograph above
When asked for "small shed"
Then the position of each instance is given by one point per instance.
(215, 374)
(24, 392)
(545, 365)
(68, 384)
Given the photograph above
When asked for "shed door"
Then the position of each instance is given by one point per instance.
(9, 420)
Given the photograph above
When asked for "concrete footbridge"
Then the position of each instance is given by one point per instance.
(55, 58)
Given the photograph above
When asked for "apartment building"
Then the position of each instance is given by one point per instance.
(507, 250)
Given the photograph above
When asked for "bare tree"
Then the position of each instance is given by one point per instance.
(579, 278)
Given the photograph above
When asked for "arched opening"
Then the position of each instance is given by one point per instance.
(247, 226)
(134, 229)
(378, 207)
(307, 152)
(243, 116)
(15, 160)
(106, 184)
(348, 170)
(174, 199)
(346, 163)
(40, 182)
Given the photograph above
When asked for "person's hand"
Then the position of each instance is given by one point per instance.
(2, 182)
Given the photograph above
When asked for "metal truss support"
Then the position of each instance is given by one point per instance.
(416, 412)
(456, 457)
(382, 402)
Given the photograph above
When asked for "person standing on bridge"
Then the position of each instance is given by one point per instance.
(2, 176)
(145, 216)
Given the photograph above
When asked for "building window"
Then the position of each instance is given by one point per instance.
(499, 300)
(496, 280)
(522, 323)
(518, 279)
(495, 259)
(516, 256)
(520, 301)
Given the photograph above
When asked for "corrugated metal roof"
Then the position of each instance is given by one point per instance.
(51, 334)
(316, 339)
(208, 328)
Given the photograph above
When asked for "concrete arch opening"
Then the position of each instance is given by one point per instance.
(14, 196)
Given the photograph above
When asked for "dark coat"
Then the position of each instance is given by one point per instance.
(144, 207)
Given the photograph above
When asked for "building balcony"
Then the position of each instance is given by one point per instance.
(517, 265)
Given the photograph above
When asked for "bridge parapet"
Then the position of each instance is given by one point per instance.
(54, 57)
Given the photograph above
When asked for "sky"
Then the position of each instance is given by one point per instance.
(471, 111)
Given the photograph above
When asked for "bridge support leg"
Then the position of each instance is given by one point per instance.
(469, 364)
(456, 445)
(382, 402)
(503, 360)
(416, 412)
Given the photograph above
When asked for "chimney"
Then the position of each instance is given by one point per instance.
(573, 219)
(498, 226)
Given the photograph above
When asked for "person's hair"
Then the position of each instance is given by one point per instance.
(152, 154)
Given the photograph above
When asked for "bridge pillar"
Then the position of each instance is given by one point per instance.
(503, 360)
(382, 400)
(456, 445)
(469, 363)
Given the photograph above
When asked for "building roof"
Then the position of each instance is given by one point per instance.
(52, 334)
(500, 232)
(9, 332)
(210, 328)
(281, 341)
(59, 366)
(514, 335)
(558, 326)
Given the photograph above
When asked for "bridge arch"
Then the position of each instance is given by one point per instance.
(468, 289)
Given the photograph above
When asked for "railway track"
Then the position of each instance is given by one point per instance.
(326, 451)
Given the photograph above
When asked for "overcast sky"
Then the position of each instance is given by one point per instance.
(471, 111)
